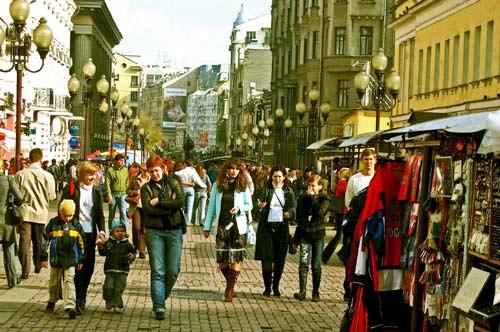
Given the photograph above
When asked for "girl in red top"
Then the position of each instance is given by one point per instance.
(340, 210)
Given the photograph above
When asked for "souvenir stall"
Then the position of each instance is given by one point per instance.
(439, 211)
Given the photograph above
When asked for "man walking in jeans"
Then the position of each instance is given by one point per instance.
(116, 190)
(38, 189)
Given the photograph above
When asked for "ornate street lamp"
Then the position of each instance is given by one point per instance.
(19, 46)
(373, 92)
(102, 87)
(114, 96)
(143, 136)
(312, 130)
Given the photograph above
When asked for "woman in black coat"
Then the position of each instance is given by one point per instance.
(277, 204)
(89, 212)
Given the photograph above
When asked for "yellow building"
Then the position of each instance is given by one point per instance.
(448, 56)
(363, 121)
(128, 80)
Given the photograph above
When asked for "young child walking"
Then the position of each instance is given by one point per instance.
(65, 238)
(119, 254)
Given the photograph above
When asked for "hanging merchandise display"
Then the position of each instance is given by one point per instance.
(443, 223)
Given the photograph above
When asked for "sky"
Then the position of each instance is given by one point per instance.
(188, 32)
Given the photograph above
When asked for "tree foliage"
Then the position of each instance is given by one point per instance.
(153, 131)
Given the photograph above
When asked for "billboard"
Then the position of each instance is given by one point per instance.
(174, 106)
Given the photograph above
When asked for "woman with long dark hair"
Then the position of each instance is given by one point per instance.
(276, 202)
(230, 200)
(312, 207)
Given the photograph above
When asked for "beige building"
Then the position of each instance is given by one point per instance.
(448, 56)
(249, 73)
(128, 80)
(323, 44)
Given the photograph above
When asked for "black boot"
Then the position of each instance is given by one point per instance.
(301, 295)
(276, 282)
(316, 283)
(268, 277)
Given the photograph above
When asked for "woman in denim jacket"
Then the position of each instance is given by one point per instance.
(230, 199)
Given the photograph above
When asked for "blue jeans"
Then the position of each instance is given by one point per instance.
(200, 205)
(118, 201)
(165, 250)
(189, 193)
(311, 252)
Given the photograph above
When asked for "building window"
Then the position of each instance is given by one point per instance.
(289, 60)
(315, 44)
(489, 48)
(446, 76)
(465, 69)
(251, 37)
(304, 7)
(411, 67)
(134, 81)
(304, 59)
(150, 79)
(339, 40)
(437, 67)
(456, 54)
(134, 96)
(365, 40)
(420, 73)
(477, 53)
(428, 70)
(267, 37)
(343, 93)
(315, 3)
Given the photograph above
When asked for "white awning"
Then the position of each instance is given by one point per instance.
(361, 139)
(318, 144)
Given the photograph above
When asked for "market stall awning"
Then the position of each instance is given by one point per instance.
(462, 124)
(361, 139)
(332, 141)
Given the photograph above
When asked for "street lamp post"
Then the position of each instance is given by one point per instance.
(277, 134)
(114, 96)
(261, 132)
(135, 128)
(372, 92)
(102, 87)
(20, 49)
(143, 136)
(312, 130)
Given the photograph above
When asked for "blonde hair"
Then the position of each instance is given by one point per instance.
(344, 173)
(86, 167)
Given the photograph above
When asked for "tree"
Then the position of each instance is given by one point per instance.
(154, 132)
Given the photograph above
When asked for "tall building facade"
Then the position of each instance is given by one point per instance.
(249, 72)
(46, 115)
(323, 44)
(94, 35)
(448, 56)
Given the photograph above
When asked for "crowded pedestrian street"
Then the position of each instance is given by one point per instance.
(197, 302)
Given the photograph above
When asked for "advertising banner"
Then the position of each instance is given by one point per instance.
(174, 106)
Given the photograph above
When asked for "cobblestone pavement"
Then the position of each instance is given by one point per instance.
(196, 303)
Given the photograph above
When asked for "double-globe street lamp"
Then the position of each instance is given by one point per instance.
(261, 133)
(372, 92)
(19, 47)
(102, 87)
(114, 96)
(311, 131)
(124, 118)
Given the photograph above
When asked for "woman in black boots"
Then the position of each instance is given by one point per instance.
(312, 208)
(276, 203)
(230, 200)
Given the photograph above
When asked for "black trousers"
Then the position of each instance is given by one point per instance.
(83, 276)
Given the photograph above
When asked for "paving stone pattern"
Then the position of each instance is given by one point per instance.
(196, 303)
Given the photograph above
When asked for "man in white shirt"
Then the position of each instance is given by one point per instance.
(362, 179)
(187, 178)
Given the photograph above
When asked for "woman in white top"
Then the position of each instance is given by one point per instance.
(277, 204)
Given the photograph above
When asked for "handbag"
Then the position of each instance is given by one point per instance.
(251, 236)
(345, 324)
(12, 210)
(133, 199)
